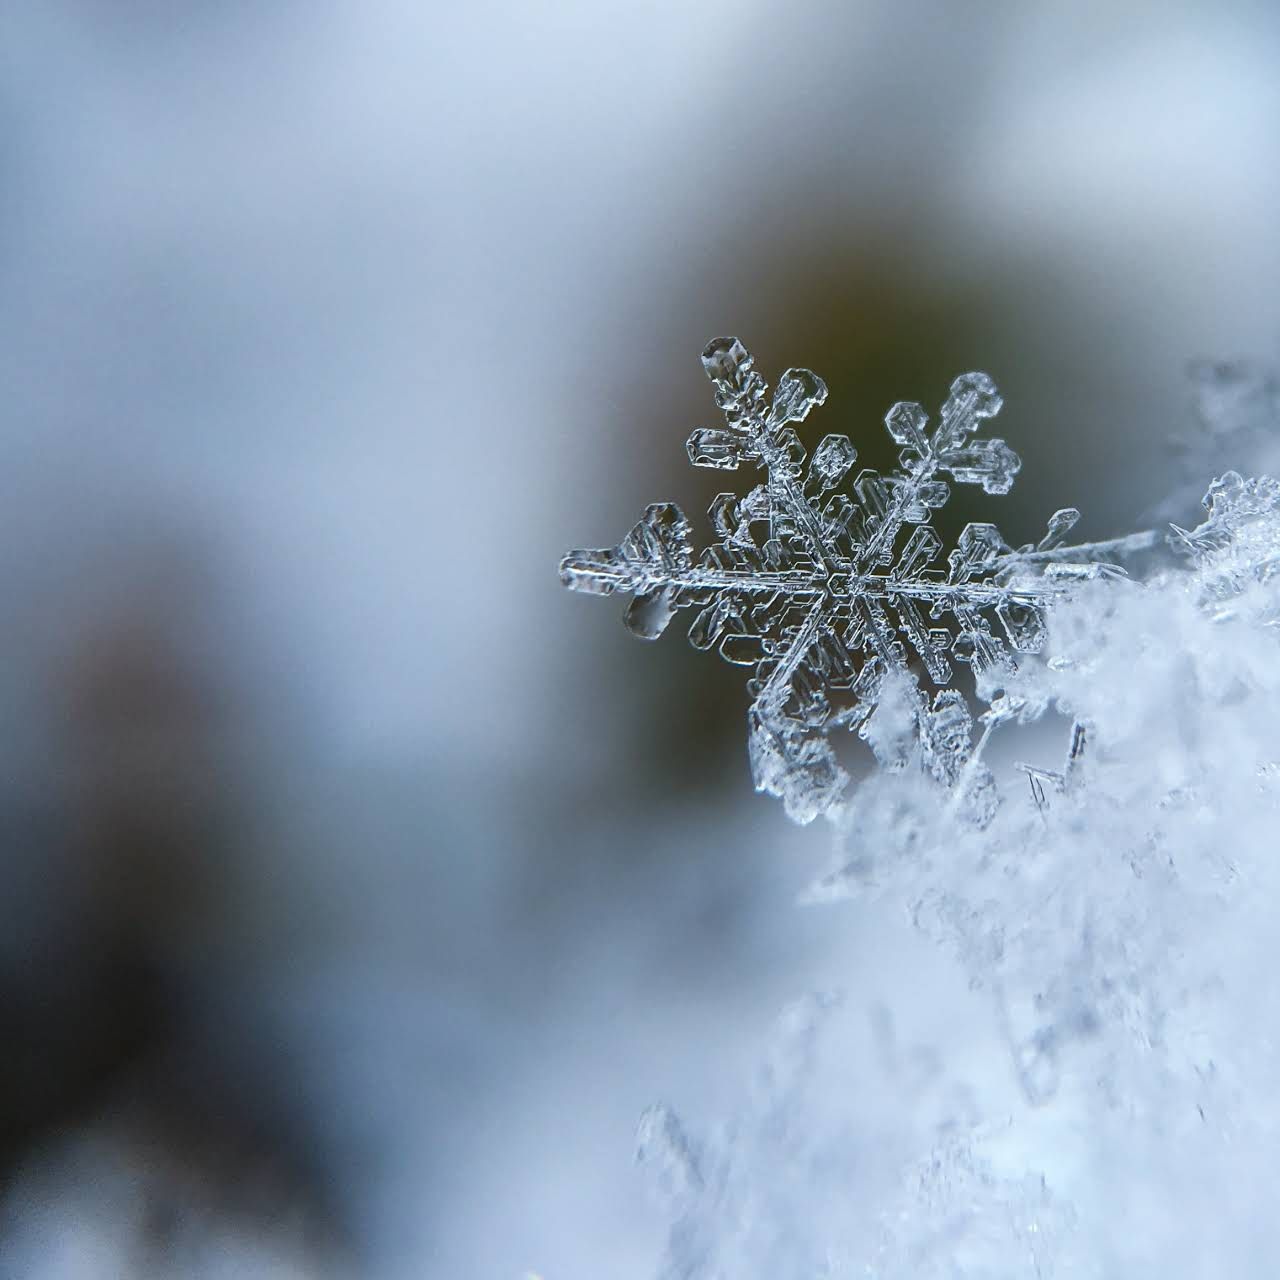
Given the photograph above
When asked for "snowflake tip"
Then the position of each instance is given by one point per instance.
(797, 392)
(726, 360)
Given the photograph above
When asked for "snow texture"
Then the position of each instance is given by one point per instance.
(824, 581)
(1118, 935)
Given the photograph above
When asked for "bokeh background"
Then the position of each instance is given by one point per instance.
(359, 886)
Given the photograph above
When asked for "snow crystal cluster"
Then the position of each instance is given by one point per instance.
(1114, 920)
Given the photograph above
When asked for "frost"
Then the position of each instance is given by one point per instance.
(1117, 933)
(828, 582)
(1236, 549)
(663, 1147)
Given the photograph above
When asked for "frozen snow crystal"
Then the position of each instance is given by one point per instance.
(1236, 549)
(828, 584)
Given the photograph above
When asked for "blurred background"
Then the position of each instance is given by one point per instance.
(358, 885)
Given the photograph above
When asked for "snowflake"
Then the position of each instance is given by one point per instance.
(813, 585)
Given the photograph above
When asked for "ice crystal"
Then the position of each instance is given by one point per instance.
(1235, 549)
(826, 582)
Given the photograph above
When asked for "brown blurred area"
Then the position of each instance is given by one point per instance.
(125, 1063)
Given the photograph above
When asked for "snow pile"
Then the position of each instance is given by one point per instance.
(1118, 924)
